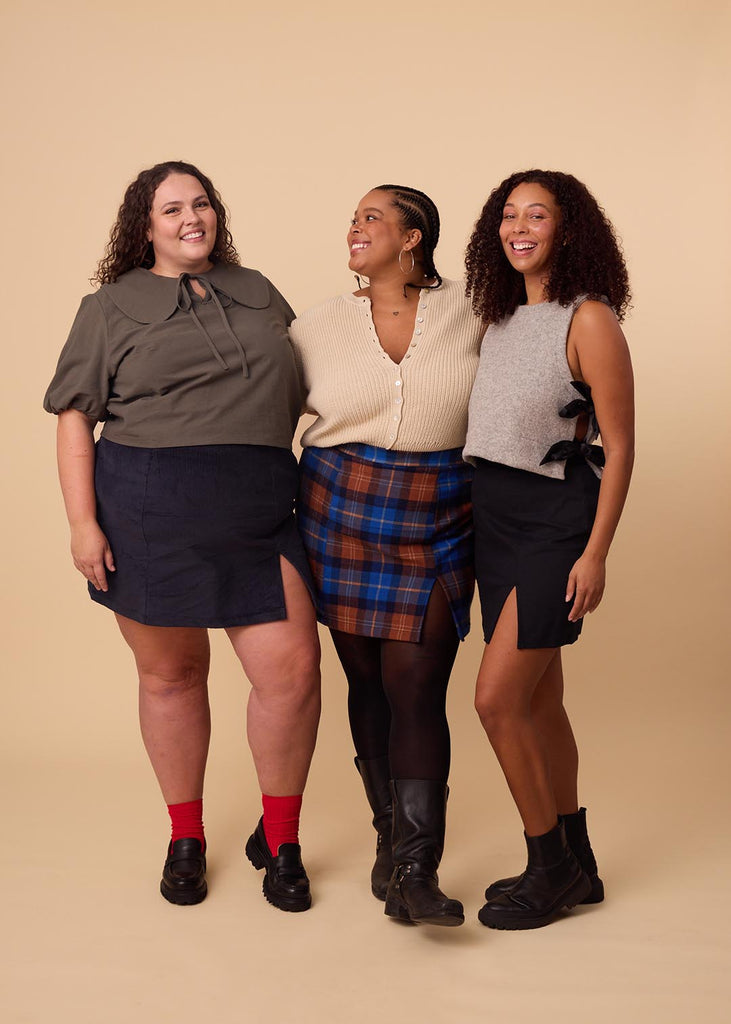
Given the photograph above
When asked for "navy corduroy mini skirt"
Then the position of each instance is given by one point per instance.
(380, 528)
(197, 532)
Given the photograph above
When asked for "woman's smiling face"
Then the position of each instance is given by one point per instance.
(376, 235)
(531, 217)
(183, 226)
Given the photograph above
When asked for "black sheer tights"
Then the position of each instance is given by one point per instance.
(397, 693)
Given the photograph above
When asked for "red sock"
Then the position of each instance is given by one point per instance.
(281, 820)
(187, 820)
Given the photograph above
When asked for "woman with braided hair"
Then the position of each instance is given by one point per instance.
(547, 276)
(385, 515)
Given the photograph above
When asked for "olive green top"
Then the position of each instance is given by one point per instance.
(163, 367)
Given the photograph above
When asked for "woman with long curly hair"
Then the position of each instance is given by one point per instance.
(181, 515)
(386, 518)
(547, 277)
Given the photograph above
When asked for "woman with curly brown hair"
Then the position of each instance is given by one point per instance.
(181, 516)
(547, 277)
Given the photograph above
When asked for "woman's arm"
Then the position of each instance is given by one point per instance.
(598, 350)
(90, 549)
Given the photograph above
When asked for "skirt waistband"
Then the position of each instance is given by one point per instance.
(389, 457)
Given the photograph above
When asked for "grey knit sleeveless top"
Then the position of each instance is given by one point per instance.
(524, 405)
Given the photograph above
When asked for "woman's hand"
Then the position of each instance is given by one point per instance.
(89, 547)
(91, 553)
(585, 585)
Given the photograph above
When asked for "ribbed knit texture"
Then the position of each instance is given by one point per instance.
(360, 395)
(281, 820)
(522, 383)
(187, 821)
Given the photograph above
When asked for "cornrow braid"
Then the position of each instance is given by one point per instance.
(418, 211)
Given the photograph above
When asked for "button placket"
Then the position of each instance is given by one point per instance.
(397, 404)
(420, 321)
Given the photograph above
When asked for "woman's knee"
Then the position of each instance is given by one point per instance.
(497, 710)
(291, 675)
(173, 676)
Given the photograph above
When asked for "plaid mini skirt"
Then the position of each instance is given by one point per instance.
(380, 529)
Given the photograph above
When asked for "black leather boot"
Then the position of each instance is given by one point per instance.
(376, 775)
(553, 881)
(419, 814)
(578, 840)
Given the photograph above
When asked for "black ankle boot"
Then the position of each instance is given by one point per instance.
(419, 814)
(578, 840)
(376, 775)
(553, 881)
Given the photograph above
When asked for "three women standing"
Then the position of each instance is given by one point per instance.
(181, 516)
(546, 275)
(385, 515)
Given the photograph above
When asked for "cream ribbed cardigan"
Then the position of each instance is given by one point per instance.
(360, 395)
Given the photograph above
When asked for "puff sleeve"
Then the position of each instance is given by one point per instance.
(82, 378)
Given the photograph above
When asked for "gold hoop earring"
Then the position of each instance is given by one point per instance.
(413, 261)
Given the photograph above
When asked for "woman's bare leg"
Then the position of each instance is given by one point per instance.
(558, 738)
(282, 662)
(506, 685)
(172, 664)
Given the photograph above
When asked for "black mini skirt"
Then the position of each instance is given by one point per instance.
(529, 531)
(197, 532)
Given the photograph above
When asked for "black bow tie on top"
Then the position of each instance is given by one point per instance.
(562, 450)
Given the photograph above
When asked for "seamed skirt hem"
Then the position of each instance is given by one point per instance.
(197, 533)
(529, 531)
(381, 528)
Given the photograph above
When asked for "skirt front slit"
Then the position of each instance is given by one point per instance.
(380, 528)
(529, 531)
(197, 532)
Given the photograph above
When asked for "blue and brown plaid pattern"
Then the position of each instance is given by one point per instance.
(379, 528)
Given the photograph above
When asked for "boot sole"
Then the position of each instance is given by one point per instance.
(514, 921)
(399, 911)
(292, 906)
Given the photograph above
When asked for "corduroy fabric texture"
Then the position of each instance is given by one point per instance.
(197, 532)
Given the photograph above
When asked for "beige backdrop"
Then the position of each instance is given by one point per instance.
(295, 111)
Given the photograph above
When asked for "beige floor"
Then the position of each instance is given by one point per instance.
(87, 937)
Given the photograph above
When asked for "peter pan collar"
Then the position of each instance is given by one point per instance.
(148, 298)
